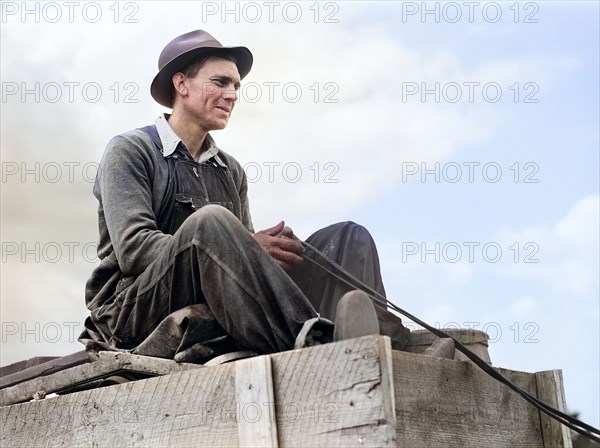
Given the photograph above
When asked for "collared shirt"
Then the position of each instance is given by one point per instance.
(170, 140)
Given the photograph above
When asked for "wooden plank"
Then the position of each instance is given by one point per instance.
(46, 368)
(336, 395)
(108, 363)
(253, 388)
(195, 408)
(442, 403)
(346, 387)
(550, 390)
(25, 364)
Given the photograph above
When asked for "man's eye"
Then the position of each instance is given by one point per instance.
(218, 82)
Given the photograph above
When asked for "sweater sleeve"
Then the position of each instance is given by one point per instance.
(246, 217)
(124, 189)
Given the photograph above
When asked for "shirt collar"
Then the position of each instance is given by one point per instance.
(170, 140)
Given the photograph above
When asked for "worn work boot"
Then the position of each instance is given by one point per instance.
(355, 316)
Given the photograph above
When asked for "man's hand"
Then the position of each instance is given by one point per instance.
(281, 243)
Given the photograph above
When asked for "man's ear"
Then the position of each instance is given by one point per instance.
(179, 83)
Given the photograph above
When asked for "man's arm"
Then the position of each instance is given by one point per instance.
(124, 187)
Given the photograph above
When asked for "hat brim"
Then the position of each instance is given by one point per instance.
(162, 86)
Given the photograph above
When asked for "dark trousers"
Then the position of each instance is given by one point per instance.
(235, 291)
(352, 247)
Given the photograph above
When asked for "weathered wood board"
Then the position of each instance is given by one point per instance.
(351, 393)
(442, 403)
(25, 364)
(11, 375)
(344, 399)
(254, 385)
(109, 363)
(181, 409)
(330, 395)
(550, 389)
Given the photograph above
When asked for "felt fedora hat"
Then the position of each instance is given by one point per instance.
(185, 50)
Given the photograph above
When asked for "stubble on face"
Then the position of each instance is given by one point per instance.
(212, 94)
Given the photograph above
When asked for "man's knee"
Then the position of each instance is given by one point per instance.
(216, 230)
(351, 229)
(212, 223)
(351, 225)
(210, 215)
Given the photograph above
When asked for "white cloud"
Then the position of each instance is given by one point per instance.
(567, 252)
(581, 226)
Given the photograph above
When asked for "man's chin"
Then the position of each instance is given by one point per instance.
(217, 125)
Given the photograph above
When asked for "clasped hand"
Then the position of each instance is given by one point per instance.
(281, 243)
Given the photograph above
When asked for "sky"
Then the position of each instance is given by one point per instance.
(463, 135)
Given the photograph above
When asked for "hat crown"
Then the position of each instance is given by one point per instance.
(185, 43)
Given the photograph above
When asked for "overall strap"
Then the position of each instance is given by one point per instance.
(163, 216)
(153, 134)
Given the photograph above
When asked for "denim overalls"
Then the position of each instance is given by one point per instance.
(193, 185)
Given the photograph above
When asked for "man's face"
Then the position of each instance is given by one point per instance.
(209, 97)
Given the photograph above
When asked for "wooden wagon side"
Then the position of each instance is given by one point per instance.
(351, 393)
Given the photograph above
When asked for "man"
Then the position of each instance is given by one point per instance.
(183, 274)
